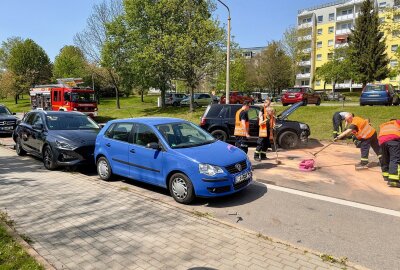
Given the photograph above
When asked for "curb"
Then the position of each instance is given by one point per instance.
(28, 248)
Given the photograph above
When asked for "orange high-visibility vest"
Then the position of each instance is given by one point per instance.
(239, 131)
(365, 130)
(389, 128)
(262, 132)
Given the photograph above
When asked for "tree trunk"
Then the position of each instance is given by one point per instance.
(163, 88)
(114, 82)
(141, 95)
(16, 99)
(324, 86)
(333, 86)
(191, 108)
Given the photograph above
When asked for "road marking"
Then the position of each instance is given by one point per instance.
(335, 200)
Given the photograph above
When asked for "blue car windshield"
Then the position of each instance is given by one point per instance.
(370, 88)
(184, 135)
(70, 122)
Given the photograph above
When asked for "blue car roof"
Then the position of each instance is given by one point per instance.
(150, 120)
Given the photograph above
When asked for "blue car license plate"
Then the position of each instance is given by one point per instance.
(242, 177)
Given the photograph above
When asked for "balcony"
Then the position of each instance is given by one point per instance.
(303, 76)
(305, 63)
(347, 17)
(304, 38)
(343, 31)
(347, 85)
(305, 25)
(341, 45)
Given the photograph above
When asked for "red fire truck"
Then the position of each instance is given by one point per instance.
(64, 96)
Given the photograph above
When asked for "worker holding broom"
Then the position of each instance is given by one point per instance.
(266, 121)
(389, 140)
(367, 136)
(337, 119)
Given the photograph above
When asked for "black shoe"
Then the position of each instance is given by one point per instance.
(393, 183)
(386, 178)
(361, 166)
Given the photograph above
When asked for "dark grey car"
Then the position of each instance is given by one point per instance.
(8, 120)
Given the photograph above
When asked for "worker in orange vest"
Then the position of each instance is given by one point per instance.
(266, 121)
(242, 126)
(365, 133)
(389, 140)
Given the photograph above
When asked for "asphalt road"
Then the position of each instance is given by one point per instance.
(370, 238)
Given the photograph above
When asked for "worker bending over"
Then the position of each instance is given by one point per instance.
(365, 133)
(389, 140)
(337, 119)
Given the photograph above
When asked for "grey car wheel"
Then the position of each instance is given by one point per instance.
(49, 161)
(181, 188)
(18, 148)
(104, 169)
(288, 140)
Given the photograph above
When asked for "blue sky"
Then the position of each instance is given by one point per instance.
(53, 23)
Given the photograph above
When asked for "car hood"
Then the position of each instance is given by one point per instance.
(285, 114)
(218, 153)
(8, 117)
(76, 137)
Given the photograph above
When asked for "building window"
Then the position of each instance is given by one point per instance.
(318, 83)
(331, 29)
(319, 57)
(303, 83)
(307, 20)
(330, 56)
(319, 31)
(393, 63)
(396, 18)
(347, 12)
(382, 4)
(394, 47)
(396, 3)
(319, 44)
(331, 16)
(320, 19)
(330, 42)
(346, 26)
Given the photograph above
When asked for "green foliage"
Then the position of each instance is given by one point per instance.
(5, 50)
(69, 63)
(367, 46)
(276, 67)
(237, 75)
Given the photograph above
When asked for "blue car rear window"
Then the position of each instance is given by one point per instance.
(370, 88)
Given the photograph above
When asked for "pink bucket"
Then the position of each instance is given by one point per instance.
(307, 165)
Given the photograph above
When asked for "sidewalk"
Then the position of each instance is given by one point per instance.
(79, 222)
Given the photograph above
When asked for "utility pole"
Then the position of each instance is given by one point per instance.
(227, 83)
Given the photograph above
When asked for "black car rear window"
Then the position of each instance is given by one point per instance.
(370, 88)
(213, 111)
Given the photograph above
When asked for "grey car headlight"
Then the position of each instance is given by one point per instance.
(64, 145)
(303, 126)
(209, 170)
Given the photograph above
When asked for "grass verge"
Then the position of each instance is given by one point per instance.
(12, 255)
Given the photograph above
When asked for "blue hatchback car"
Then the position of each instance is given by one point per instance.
(171, 153)
(377, 94)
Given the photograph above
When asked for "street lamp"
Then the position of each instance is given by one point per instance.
(227, 53)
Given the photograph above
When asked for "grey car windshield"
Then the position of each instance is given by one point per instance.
(4, 110)
(70, 122)
(184, 135)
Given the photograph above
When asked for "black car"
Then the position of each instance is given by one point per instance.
(8, 120)
(219, 120)
(59, 138)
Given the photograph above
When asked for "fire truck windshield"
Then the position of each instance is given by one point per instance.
(81, 97)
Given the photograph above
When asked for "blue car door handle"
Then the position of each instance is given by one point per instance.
(132, 151)
(108, 144)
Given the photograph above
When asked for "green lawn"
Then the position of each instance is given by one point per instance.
(12, 256)
(318, 118)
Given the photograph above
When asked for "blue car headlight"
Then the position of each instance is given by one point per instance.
(64, 145)
(209, 170)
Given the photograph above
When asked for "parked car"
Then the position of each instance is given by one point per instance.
(236, 98)
(219, 120)
(322, 94)
(8, 120)
(171, 153)
(199, 99)
(335, 97)
(59, 138)
(296, 94)
(377, 94)
(174, 99)
(260, 96)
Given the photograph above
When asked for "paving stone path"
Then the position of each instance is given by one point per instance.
(79, 222)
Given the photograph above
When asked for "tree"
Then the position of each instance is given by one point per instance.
(200, 38)
(275, 67)
(29, 64)
(237, 72)
(336, 69)
(367, 46)
(92, 40)
(70, 63)
(5, 50)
